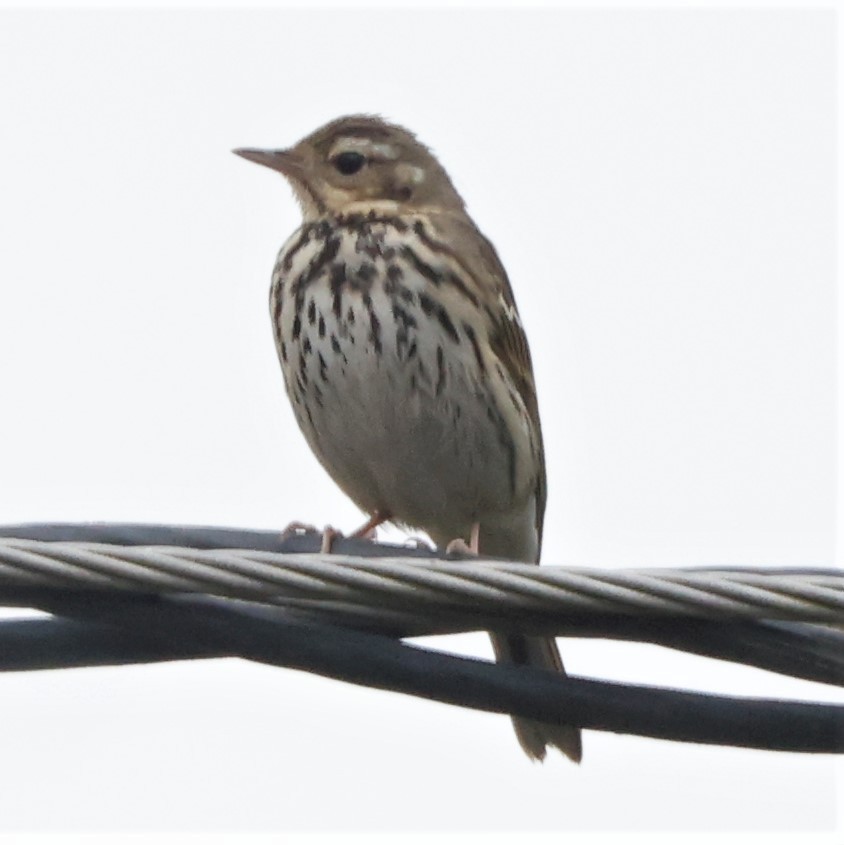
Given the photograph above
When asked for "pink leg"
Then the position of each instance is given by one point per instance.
(367, 530)
(475, 539)
(329, 535)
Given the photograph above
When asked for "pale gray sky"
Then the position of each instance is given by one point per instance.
(661, 188)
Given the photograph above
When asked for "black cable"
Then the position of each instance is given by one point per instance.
(213, 626)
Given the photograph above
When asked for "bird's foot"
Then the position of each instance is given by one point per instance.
(297, 528)
(459, 546)
(300, 529)
(367, 531)
(329, 535)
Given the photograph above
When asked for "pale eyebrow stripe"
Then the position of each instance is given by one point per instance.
(365, 146)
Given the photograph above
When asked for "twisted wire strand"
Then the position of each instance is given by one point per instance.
(429, 587)
(155, 593)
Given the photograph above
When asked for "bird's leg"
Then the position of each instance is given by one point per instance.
(459, 545)
(367, 530)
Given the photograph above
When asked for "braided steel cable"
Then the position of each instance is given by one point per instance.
(153, 593)
(384, 587)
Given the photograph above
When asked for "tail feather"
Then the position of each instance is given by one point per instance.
(534, 736)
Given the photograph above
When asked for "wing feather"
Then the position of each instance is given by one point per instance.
(480, 264)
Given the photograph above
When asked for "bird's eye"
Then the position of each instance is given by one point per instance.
(349, 162)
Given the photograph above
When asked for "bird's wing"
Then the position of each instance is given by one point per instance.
(506, 334)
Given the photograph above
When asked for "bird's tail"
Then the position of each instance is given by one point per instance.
(535, 736)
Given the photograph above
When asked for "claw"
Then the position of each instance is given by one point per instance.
(459, 545)
(329, 535)
(418, 543)
(297, 528)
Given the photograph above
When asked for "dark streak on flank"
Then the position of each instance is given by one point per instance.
(336, 280)
(374, 324)
(282, 348)
(276, 299)
(430, 306)
(400, 315)
(439, 247)
(470, 333)
(508, 444)
(455, 280)
(393, 285)
(440, 371)
(304, 237)
(321, 326)
(316, 265)
(425, 270)
(363, 278)
(297, 327)
(375, 331)
(311, 313)
(505, 439)
(335, 348)
(404, 321)
(323, 367)
(516, 403)
(306, 346)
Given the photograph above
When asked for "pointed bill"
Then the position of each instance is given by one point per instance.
(284, 161)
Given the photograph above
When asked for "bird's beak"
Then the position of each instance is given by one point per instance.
(284, 161)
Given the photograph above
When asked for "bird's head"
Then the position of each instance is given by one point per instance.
(359, 164)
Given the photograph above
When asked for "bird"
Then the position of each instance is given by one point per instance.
(406, 361)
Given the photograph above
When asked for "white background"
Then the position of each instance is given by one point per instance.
(661, 187)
